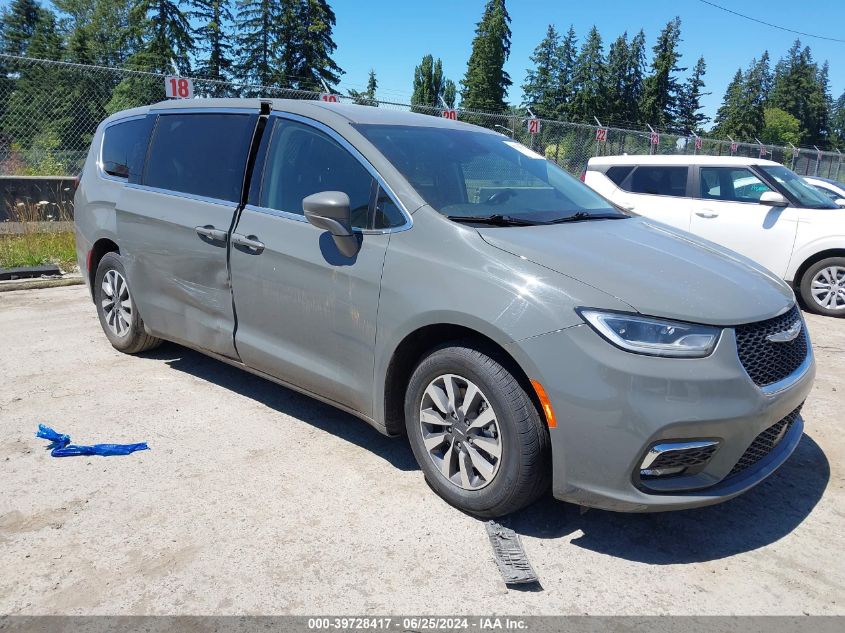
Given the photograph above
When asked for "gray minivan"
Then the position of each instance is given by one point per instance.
(441, 281)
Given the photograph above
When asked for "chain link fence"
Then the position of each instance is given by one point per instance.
(49, 111)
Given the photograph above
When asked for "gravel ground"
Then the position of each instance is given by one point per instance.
(257, 500)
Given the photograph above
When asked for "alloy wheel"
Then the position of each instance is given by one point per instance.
(828, 288)
(117, 303)
(460, 431)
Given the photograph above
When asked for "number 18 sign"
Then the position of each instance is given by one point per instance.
(179, 88)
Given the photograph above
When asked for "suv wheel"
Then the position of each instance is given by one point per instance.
(118, 316)
(823, 287)
(475, 432)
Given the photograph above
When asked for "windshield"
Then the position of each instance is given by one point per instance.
(466, 174)
(807, 197)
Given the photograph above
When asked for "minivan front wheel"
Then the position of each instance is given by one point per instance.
(823, 287)
(116, 309)
(475, 432)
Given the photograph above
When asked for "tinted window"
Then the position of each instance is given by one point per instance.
(660, 181)
(618, 173)
(807, 197)
(200, 154)
(124, 148)
(301, 161)
(468, 173)
(730, 184)
(827, 192)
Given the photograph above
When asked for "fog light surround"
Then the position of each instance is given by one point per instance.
(675, 458)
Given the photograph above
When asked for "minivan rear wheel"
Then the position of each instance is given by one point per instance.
(823, 287)
(118, 314)
(476, 432)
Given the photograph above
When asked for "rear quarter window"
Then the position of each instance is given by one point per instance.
(658, 181)
(124, 148)
(200, 154)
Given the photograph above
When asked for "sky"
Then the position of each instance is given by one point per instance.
(391, 36)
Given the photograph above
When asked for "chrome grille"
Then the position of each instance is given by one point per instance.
(684, 458)
(764, 443)
(768, 362)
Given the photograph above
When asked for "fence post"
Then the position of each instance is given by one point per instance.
(818, 160)
(650, 144)
(838, 164)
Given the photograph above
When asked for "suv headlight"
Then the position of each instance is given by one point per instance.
(655, 337)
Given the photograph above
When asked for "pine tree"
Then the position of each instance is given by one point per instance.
(258, 38)
(104, 28)
(589, 80)
(566, 56)
(618, 60)
(166, 33)
(17, 26)
(727, 121)
(212, 39)
(633, 91)
(486, 83)
(690, 118)
(799, 89)
(541, 87)
(661, 88)
(368, 97)
(450, 93)
(837, 123)
(428, 84)
(307, 46)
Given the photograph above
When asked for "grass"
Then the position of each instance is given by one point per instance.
(33, 249)
(36, 238)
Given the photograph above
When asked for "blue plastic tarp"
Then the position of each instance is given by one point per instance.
(60, 445)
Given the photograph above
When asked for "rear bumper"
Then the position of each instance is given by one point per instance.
(612, 406)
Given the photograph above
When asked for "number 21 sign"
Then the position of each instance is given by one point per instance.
(179, 88)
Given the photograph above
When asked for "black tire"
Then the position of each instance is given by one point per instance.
(806, 287)
(524, 470)
(133, 339)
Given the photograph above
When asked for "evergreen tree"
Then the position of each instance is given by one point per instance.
(166, 35)
(212, 39)
(589, 80)
(541, 87)
(618, 60)
(102, 30)
(307, 46)
(450, 93)
(661, 88)
(17, 26)
(566, 56)
(258, 39)
(729, 115)
(486, 83)
(633, 89)
(690, 118)
(368, 97)
(428, 84)
(837, 123)
(779, 127)
(798, 88)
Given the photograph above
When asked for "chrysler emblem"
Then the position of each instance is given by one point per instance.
(787, 335)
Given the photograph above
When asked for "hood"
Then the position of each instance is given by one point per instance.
(657, 270)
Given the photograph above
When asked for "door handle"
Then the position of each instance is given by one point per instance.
(209, 232)
(707, 214)
(249, 242)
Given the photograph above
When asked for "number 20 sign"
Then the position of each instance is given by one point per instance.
(179, 88)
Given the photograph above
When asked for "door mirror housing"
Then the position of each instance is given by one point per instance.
(773, 199)
(329, 210)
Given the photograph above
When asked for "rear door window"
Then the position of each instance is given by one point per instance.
(202, 154)
(659, 181)
(730, 184)
(124, 148)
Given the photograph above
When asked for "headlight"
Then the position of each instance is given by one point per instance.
(655, 337)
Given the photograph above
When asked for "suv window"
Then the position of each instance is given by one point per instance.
(827, 192)
(731, 184)
(200, 154)
(124, 148)
(618, 173)
(302, 160)
(659, 181)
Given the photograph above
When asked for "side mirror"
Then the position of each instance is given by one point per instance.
(773, 199)
(329, 210)
(839, 202)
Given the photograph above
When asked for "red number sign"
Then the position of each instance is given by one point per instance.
(601, 134)
(179, 88)
(533, 126)
(733, 148)
(450, 114)
(697, 142)
(655, 138)
(328, 97)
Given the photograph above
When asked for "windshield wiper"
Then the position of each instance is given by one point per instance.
(496, 219)
(583, 215)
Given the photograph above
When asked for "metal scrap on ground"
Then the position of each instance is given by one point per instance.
(60, 445)
(510, 556)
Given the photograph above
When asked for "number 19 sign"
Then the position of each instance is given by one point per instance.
(179, 88)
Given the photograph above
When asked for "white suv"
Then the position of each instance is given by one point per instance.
(757, 208)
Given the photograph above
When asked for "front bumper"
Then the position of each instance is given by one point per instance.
(612, 406)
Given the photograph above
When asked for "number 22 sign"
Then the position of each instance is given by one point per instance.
(179, 88)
